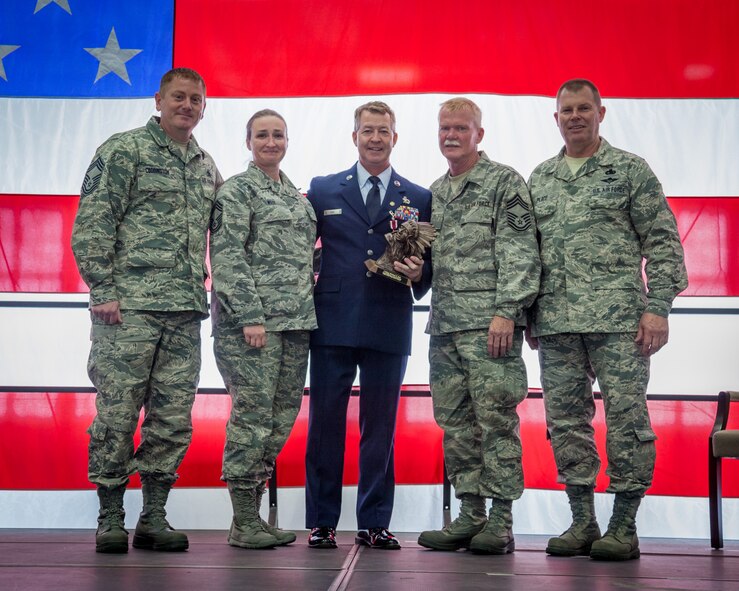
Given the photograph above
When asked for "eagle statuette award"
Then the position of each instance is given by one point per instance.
(412, 238)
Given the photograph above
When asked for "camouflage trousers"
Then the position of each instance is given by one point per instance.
(151, 360)
(569, 365)
(475, 399)
(266, 388)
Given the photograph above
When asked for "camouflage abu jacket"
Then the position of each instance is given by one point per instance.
(261, 252)
(485, 257)
(140, 232)
(595, 228)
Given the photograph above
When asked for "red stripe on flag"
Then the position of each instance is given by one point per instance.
(35, 253)
(709, 229)
(631, 48)
(35, 250)
(47, 432)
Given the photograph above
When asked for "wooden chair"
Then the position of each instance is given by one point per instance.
(722, 443)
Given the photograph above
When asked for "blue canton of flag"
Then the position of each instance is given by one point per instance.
(84, 48)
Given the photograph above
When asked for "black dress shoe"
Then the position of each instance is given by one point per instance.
(322, 537)
(377, 537)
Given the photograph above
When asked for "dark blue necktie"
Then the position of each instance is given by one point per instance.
(373, 198)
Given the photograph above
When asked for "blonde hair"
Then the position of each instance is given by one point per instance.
(460, 103)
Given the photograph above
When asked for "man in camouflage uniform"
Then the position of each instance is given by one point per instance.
(139, 241)
(485, 274)
(261, 248)
(600, 211)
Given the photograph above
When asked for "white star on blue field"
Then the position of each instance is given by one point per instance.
(84, 48)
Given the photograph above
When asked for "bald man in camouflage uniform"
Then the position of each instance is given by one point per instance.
(600, 212)
(485, 274)
(139, 240)
(261, 249)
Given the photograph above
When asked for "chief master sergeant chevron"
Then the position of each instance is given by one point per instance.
(600, 212)
(139, 241)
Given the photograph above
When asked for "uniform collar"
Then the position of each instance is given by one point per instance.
(163, 140)
(384, 176)
(476, 174)
(264, 181)
(602, 157)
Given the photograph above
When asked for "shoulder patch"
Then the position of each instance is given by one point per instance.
(92, 177)
(216, 217)
(518, 214)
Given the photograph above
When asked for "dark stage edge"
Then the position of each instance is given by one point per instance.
(35, 560)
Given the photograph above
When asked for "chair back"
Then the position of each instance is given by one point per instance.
(725, 442)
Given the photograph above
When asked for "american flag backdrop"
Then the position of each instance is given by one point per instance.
(73, 72)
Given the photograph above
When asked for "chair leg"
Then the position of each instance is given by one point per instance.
(446, 503)
(714, 501)
(272, 496)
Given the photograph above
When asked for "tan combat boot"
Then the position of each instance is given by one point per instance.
(497, 535)
(459, 532)
(111, 537)
(153, 532)
(620, 541)
(576, 541)
(283, 537)
(246, 528)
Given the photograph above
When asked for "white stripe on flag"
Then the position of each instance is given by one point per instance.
(691, 144)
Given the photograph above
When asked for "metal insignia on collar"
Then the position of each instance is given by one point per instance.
(349, 177)
(397, 183)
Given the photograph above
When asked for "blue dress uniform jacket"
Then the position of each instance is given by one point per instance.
(354, 307)
(365, 322)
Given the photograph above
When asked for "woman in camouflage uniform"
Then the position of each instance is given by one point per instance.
(261, 246)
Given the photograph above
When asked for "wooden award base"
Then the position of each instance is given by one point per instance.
(392, 275)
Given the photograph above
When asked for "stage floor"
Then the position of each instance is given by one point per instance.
(34, 560)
